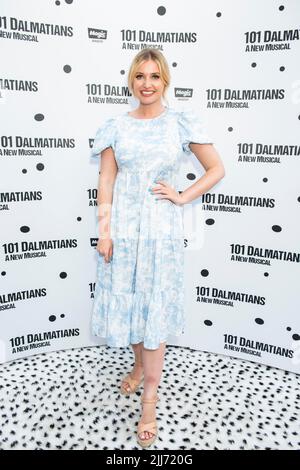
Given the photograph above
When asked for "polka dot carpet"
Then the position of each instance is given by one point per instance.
(70, 400)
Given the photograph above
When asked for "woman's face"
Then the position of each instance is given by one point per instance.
(148, 78)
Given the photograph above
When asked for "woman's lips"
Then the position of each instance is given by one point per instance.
(146, 93)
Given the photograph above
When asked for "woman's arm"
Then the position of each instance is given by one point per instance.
(107, 178)
(211, 161)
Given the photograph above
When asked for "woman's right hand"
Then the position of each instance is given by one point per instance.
(105, 248)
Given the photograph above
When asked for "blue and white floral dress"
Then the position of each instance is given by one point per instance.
(139, 294)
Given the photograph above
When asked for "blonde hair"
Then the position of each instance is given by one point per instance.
(159, 59)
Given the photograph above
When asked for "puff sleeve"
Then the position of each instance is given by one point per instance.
(192, 130)
(105, 137)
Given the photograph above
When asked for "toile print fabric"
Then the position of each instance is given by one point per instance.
(139, 294)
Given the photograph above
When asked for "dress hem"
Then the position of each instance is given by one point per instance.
(130, 318)
(114, 345)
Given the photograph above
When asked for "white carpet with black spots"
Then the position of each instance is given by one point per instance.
(70, 400)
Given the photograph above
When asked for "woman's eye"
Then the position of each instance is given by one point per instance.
(154, 76)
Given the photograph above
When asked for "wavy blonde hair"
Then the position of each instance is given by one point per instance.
(159, 59)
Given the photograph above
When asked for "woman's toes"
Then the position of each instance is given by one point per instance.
(145, 435)
(126, 387)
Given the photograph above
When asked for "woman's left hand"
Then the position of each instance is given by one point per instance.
(164, 191)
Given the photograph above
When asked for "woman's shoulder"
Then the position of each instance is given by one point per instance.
(185, 116)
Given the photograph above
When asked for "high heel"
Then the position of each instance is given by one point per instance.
(133, 383)
(150, 427)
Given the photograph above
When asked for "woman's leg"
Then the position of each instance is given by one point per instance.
(153, 361)
(137, 371)
(137, 349)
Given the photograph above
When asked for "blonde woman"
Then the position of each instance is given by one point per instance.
(139, 294)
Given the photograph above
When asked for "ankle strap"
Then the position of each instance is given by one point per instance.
(148, 400)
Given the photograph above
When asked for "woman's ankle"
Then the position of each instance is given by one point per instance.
(138, 362)
(150, 393)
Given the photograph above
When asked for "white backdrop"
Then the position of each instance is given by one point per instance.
(64, 71)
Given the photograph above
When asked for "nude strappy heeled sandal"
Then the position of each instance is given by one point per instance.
(150, 427)
(133, 384)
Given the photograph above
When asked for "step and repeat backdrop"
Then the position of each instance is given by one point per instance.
(64, 67)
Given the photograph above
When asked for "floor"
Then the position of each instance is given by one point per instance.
(70, 400)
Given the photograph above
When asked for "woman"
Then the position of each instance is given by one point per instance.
(139, 294)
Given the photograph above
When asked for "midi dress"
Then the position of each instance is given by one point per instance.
(139, 293)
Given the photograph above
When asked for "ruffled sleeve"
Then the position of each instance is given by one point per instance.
(192, 130)
(105, 137)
